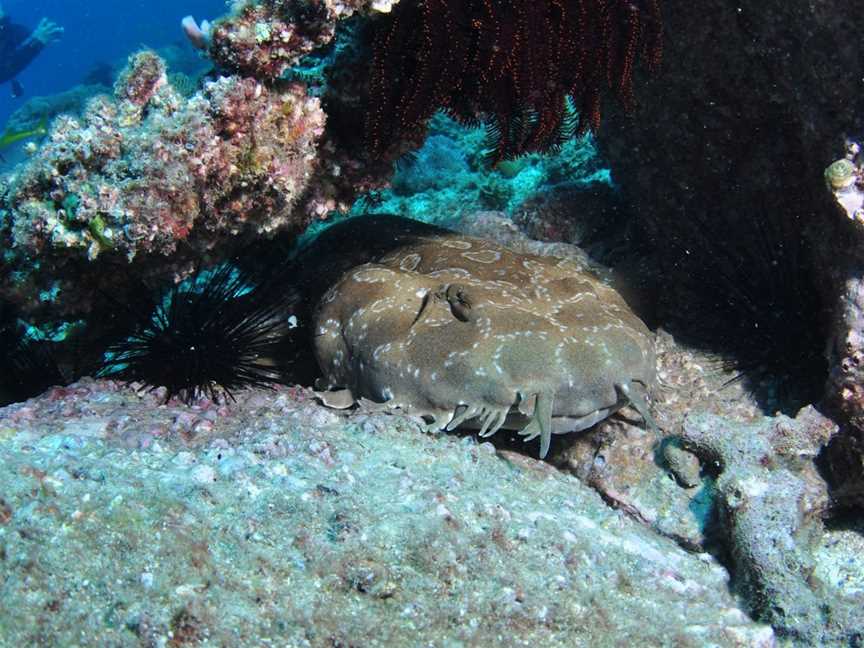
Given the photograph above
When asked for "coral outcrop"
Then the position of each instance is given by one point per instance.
(771, 501)
(152, 177)
(264, 38)
(138, 173)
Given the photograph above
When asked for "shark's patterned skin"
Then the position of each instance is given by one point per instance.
(456, 328)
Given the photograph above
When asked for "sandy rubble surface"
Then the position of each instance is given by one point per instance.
(274, 521)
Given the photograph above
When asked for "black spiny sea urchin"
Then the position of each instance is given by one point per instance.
(208, 336)
(31, 363)
(29, 368)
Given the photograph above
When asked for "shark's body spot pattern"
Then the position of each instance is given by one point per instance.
(458, 329)
(457, 244)
(409, 262)
(483, 256)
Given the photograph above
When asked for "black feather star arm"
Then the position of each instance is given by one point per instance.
(514, 64)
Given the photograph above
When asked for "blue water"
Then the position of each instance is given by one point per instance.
(95, 31)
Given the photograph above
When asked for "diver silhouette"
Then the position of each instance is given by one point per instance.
(19, 46)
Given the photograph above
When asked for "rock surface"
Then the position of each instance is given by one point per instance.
(771, 500)
(275, 520)
(751, 105)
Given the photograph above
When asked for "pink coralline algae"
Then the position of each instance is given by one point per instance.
(263, 39)
(161, 179)
(141, 79)
(139, 171)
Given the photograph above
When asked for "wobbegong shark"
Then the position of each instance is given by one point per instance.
(461, 330)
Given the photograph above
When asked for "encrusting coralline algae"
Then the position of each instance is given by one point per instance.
(277, 520)
(140, 172)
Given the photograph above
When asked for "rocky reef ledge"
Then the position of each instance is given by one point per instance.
(273, 521)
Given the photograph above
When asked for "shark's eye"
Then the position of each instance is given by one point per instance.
(460, 302)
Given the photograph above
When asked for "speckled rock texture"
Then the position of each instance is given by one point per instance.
(771, 500)
(272, 521)
(263, 38)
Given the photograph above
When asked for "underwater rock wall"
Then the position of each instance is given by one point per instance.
(732, 138)
(310, 493)
(771, 502)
